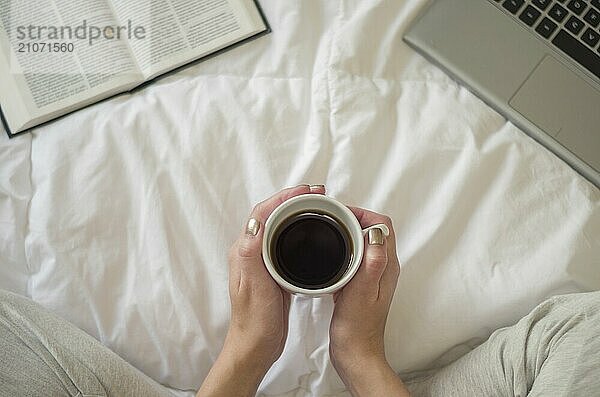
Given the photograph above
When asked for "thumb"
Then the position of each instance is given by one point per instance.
(250, 242)
(373, 264)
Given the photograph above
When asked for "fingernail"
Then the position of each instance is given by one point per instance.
(375, 237)
(252, 227)
(316, 187)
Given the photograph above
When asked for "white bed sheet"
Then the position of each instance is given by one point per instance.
(119, 216)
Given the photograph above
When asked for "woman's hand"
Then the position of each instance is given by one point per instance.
(259, 309)
(358, 325)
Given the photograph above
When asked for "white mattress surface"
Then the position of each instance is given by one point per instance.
(119, 217)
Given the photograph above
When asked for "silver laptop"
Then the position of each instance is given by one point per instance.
(537, 62)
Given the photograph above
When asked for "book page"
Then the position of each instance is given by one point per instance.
(61, 55)
(180, 31)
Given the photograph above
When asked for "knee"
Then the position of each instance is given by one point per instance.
(574, 315)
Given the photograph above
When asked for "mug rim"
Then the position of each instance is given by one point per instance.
(348, 220)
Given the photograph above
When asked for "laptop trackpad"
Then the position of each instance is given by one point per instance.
(565, 106)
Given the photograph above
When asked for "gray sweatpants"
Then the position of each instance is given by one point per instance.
(553, 351)
(44, 355)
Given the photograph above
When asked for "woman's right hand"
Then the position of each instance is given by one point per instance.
(358, 325)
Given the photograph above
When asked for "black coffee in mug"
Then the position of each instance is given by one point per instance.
(311, 250)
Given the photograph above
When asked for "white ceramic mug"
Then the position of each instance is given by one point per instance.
(317, 203)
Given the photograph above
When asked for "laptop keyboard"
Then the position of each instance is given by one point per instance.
(572, 26)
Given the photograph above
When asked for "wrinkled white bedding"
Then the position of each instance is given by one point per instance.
(119, 217)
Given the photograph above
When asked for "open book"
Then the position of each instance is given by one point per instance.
(57, 56)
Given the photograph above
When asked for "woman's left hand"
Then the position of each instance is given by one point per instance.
(259, 309)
